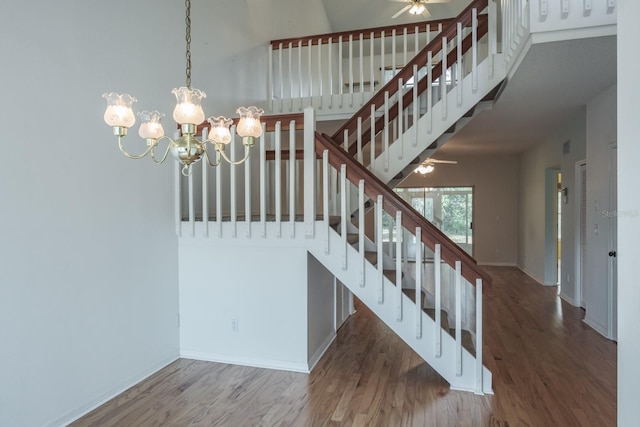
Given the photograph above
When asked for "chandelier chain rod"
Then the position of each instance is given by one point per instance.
(187, 5)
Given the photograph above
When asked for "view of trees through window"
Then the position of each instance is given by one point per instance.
(448, 208)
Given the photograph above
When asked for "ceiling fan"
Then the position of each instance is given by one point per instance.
(429, 165)
(416, 7)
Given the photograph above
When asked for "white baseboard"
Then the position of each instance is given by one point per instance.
(280, 365)
(602, 330)
(105, 397)
(313, 361)
(568, 299)
(533, 276)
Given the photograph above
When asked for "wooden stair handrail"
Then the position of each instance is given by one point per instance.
(411, 219)
(406, 72)
(366, 34)
(436, 72)
(269, 121)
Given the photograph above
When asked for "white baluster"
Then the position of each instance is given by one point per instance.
(341, 75)
(493, 41)
(278, 178)
(474, 50)
(543, 9)
(263, 181)
(564, 9)
(359, 139)
(404, 47)
(280, 76)
(343, 214)
(380, 265)
(310, 68)
(479, 370)
(416, 40)
(232, 184)
(385, 130)
(330, 70)
(270, 78)
(416, 102)
(373, 137)
(325, 197)
(300, 71)
(459, 66)
(219, 198)
(383, 79)
(290, 51)
(458, 318)
(361, 226)
(429, 92)
(419, 247)
(437, 265)
(205, 192)
(247, 196)
(399, 266)
(393, 51)
(320, 90)
(351, 69)
(372, 77)
(443, 79)
(399, 118)
(361, 48)
(309, 172)
(292, 177)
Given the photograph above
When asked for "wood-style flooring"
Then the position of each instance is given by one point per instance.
(549, 369)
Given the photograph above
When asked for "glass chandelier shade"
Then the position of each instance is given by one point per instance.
(220, 132)
(150, 126)
(189, 114)
(119, 111)
(188, 105)
(425, 169)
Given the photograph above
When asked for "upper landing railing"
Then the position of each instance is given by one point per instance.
(347, 67)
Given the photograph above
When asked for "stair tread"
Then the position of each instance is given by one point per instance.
(444, 318)
(372, 257)
(467, 340)
(352, 238)
(391, 275)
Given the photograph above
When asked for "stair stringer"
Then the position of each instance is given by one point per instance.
(405, 328)
(401, 155)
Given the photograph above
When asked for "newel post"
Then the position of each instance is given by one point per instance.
(309, 172)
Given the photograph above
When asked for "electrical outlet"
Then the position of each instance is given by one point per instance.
(234, 325)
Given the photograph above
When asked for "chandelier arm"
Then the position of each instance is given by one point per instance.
(133, 156)
(206, 153)
(231, 162)
(166, 152)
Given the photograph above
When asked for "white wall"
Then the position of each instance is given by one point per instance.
(628, 93)
(601, 133)
(88, 277)
(321, 308)
(260, 285)
(88, 294)
(531, 204)
(495, 182)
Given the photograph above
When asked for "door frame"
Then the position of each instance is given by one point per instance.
(578, 279)
(612, 265)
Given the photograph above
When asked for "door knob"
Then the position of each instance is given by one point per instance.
(612, 253)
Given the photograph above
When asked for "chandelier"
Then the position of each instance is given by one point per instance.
(188, 113)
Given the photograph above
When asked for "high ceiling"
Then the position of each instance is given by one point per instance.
(551, 85)
(357, 14)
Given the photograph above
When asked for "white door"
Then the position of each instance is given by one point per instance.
(613, 243)
(581, 231)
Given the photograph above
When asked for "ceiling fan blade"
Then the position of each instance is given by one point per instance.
(426, 13)
(435, 1)
(401, 11)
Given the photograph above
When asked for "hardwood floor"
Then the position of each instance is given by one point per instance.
(549, 369)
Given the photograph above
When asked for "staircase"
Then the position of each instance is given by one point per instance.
(326, 188)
